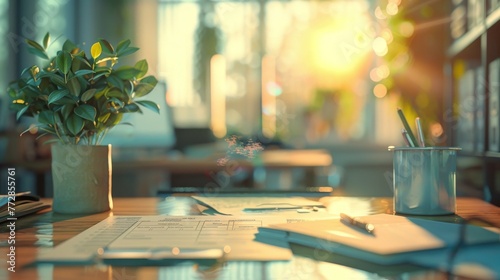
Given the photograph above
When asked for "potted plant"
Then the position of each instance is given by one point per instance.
(77, 98)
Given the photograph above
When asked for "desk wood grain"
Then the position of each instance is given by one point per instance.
(50, 229)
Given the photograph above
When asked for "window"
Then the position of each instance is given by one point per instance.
(303, 71)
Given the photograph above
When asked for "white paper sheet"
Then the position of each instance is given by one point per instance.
(232, 234)
(239, 205)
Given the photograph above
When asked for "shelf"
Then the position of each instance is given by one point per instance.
(477, 45)
(462, 43)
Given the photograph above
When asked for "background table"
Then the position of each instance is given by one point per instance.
(50, 229)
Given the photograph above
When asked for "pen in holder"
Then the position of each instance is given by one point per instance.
(424, 180)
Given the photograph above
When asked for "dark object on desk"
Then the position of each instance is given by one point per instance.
(19, 206)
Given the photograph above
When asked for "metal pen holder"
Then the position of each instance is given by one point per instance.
(424, 180)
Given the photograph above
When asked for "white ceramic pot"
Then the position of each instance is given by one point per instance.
(82, 179)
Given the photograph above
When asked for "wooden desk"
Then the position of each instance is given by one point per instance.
(49, 229)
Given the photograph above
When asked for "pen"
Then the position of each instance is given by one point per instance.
(358, 223)
(406, 137)
(407, 127)
(420, 133)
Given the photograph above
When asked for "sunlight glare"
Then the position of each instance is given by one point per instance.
(380, 46)
(341, 45)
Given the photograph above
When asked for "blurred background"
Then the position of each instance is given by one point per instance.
(288, 74)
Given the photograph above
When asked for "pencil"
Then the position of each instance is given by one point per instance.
(407, 127)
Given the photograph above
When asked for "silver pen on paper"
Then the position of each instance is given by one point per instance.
(357, 223)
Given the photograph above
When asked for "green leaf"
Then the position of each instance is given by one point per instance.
(46, 117)
(83, 72)
(96, 50)
(142, 66)
(57, 94)
(114, 81)
(103, 69)
(39, 53)
(150, 105)
(98, 76)
(58, 80)
(122, 45)
(34, 45)
(131, 108)
(149, 80)
(80, 54)
(31, 91)
(84, 84)
(86, 112)
(127, 51)
(74, 123)
(25, 70)
(126, 72)
(66, 110)
(143, 89)
(63, 61)
(107, 46)
(21, 112)
(65, 100)
(46, 40)
(146, 85)
(83, 59)
(48, 129)
(74, 86)
(117, 94)
(35, 83)
(69, 46)
(87, 95)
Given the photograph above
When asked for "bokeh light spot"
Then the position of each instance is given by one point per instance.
(406, 29)
(380, 46)
(380, 90)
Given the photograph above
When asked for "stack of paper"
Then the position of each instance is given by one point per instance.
(396, 239)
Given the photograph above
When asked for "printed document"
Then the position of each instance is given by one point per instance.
(234, 235)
